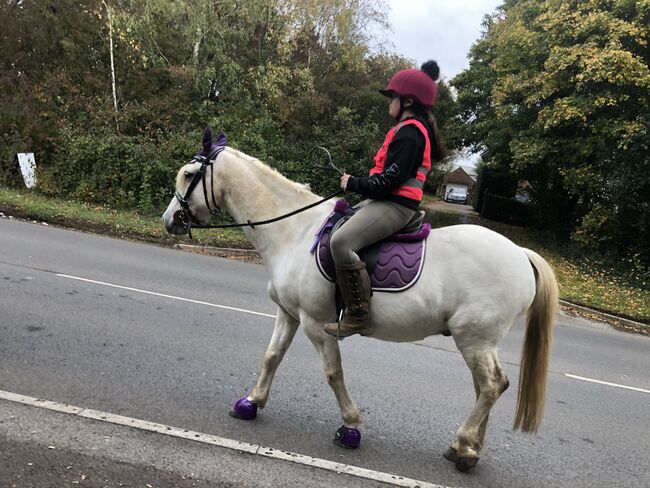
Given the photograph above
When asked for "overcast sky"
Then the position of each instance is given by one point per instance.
(443, 30)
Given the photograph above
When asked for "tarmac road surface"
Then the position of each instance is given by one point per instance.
(175, 338)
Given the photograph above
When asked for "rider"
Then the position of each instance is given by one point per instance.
(393, 190)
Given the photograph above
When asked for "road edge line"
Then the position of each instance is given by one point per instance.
(223, 442)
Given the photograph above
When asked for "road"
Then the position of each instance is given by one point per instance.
(168, 337)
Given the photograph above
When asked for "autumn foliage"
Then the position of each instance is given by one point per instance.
(558, 93)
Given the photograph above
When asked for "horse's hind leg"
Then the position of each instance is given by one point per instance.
(504, 387)
(328, 350)
(490, 382)
(283, 333)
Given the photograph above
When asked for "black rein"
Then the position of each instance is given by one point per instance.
(186, 217)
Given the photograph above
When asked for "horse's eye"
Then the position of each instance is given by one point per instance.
(188, 174)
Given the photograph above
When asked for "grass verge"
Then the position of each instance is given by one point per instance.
(99, 219)
(583, 280)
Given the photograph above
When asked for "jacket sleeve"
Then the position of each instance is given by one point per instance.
(402, 162)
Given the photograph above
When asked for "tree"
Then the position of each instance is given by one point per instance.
(292, 74)
(558, 93)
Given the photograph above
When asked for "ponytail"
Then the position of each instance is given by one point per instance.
(438, 152)
(438, 149)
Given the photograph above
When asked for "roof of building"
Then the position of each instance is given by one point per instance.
(470, 170)
(459, 175)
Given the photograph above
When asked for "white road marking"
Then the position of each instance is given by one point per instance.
(222, 442)
(198, 302)
(606, 383)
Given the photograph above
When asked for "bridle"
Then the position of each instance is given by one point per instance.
(185, 216)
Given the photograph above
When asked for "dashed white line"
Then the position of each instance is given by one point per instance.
(591, 380)
(222, 442)
(146, 292)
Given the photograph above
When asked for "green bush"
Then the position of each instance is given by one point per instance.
(116, 170)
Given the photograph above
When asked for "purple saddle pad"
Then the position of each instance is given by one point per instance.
(399, 264)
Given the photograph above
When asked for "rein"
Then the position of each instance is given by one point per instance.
(187, 218)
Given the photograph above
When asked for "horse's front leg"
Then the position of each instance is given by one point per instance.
(347, 435)
(283, 333)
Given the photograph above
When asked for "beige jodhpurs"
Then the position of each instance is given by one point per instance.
(375, 220)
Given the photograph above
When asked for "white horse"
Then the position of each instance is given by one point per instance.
(475, 283)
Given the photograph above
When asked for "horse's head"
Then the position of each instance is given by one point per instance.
(192, 206)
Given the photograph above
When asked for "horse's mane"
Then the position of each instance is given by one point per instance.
(270, 175)
(271, 172)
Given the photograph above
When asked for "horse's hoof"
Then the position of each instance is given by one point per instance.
(347, 438)
(464, 464)
(451, 455)
(244, 409)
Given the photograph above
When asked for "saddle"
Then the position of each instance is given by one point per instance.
(394, 264)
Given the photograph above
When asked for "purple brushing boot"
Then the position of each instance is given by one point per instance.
(347, 437)
(244, 409)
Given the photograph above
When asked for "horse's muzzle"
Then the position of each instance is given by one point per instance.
(179, 223)
(181, 219)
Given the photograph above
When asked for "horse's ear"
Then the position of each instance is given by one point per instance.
(207, 138)
(222, 140)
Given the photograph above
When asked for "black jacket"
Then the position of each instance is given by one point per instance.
(404, 157)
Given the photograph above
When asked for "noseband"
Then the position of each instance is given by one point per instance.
(186, 217)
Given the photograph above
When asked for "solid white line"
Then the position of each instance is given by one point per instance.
(198, 302)
(606, 383)
(222, 442)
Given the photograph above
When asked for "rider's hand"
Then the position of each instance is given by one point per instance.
(344, 181)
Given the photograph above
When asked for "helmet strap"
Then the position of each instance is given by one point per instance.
(398, 117)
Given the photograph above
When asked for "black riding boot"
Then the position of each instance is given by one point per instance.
(354, 282)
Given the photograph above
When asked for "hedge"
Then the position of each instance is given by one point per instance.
(507, 210)
(495, 182)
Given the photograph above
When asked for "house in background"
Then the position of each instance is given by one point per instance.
(463, 177)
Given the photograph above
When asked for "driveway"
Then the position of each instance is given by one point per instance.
(442, 206)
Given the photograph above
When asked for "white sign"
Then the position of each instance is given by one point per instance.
(27, 168)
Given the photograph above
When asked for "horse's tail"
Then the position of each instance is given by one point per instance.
(537, 346)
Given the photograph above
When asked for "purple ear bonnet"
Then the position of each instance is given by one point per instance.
(209, 148)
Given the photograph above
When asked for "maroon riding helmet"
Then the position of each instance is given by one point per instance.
(417, 84)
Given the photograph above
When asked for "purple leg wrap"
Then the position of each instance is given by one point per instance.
(244, 409)
(347, 437)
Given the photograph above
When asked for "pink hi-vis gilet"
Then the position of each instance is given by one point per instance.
(412, 188)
